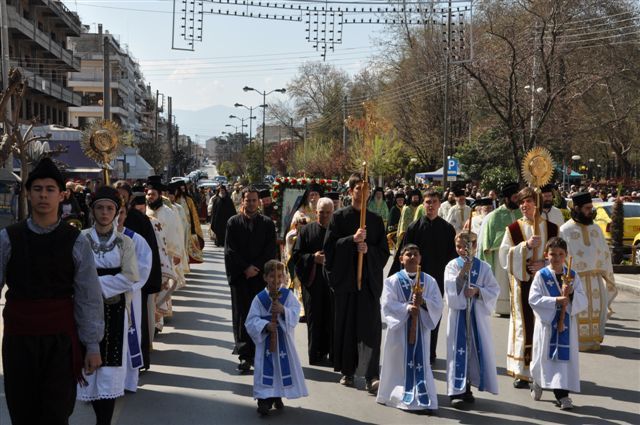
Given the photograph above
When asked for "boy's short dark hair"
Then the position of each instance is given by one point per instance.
(272, 266)
(354, 180)
(250, 189)
(409, 247)
(556, 242)
(432, 194)
(525, 193)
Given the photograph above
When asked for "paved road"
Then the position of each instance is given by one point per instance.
(193, 380)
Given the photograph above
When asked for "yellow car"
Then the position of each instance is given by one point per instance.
(631, 220)
(636, 243)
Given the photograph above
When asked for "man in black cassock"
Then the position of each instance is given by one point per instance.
(250, 242)
(141, 224)
(308, 258)
(436, 239)
(358, 323)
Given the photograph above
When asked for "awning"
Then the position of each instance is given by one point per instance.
(438, 175)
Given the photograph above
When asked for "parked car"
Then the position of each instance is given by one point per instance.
(207, 184)
(631, 220)
(636, 243)
(221, 180)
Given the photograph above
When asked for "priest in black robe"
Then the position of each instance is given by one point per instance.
(436, 239)
(358, 323)
(222, 209)
(308, 257)
(250, 242)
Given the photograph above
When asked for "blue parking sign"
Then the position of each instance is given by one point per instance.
(452, 165)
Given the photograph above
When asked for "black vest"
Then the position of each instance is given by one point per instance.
(41, 266)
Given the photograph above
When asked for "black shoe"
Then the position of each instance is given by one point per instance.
(263, 406)
(244, 366)
(468, 398)
(520, 383)
(277, 403)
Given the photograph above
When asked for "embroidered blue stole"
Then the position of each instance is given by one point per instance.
(414, 366)
(560, 342)
(135, 354)
(281, 352)
(461, 355)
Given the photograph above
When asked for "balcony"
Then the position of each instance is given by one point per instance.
(56, 10)
(48, 87)
(30, 30)
(97, 110)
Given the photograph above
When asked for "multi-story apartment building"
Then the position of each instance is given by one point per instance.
(38, 31)
(127, 89)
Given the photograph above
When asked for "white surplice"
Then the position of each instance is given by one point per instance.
(548, 373)
(117, 252)
(394, 305)
(592, 261)
(255, 325)
(144, 258)
(485, 304)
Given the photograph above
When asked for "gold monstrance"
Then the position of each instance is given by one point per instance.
(537, 170)
(100, 142)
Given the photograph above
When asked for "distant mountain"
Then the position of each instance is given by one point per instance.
(208, 122)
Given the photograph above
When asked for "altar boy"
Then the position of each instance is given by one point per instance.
(406, 380)
(277, 374)
(469, 282)
(555, 364)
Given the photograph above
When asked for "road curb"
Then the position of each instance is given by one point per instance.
(629, 288)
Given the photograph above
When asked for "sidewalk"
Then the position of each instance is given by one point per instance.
(628, 283)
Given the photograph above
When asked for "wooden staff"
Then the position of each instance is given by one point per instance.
(273, 344)
(417, 290)
(566, 280)
(363, 219)
(536, 224)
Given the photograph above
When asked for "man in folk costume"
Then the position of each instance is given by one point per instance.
(459, 214)
(53, 307)
(410, 213)
(435, 238)
(137, 221)
(484, 206)
(406, 380)
(308, 258)
(549, 211)
(172, 190)
(115, 259)
(170, 222)
(490, 238)
(358, 326)
(468, 283)
(277, 374)
(193, 230)
(250, 242)
(144, 258)
(521, 256)
(556, 363)
(592, 261)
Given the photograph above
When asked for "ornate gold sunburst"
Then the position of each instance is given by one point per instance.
(537, 167)
(100, 141)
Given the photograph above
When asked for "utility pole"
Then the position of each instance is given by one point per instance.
(304, 138)
(291, 127)
(176, 136)
(344, 124)
(106, 84)
(445, 143)
(156, 109)
(169, 138)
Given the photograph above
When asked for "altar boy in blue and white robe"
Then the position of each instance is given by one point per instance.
(555, 363)
(406, 380)
(283, 377)
(474, 362)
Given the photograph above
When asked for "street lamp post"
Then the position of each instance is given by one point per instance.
(251, 117)
(264, 117)
(242, 125)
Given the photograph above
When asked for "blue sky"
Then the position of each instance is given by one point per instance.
(234, 52)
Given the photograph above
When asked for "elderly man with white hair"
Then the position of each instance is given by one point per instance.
(308, 258)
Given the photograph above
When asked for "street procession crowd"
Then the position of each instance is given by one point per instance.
(85, 300)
